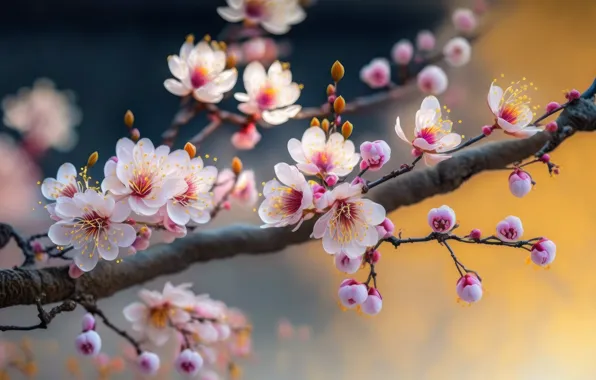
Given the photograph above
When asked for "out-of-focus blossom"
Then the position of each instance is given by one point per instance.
(285, 330)
(88, 343)
(316, 154)
(432, 134)
(64, 185)
(432, 80)
(200, 70)
(352, 293)
(350, 224)
(469, 288)
(93, 224)
(246, 138)
(373, 303)
(425, 40)
(189, 363)
(287, 198)
(543, 252)
(520, 183)
(45, 116)
(346, 264)
(402, 52)
(457, 52)
(510, 229)
(374, 155)
(464, 20)
(270, 94)
(276, 17)
(88, 322)
(377, 74)
(148, 363)
(511, 108)
(245, 191)
(441, 219)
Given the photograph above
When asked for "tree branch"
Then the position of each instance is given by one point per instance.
(45, 317)
(23, 286)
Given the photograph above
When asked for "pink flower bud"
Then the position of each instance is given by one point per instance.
(402, 52)
(88, 322)
(114, 158)
(363, 165)
(550, 107)
(520, 183)
(352, 293)
(464, 20)
(373, 256)
(545, 158)
(543, 252)
(573, 95)
(331, 180)
(88, 343)
(331, 99)
(432, 80)
(416, 152)
(373, 303)
(148, 363)
(227, 205)
(357, 181)
(74, 271)
(131, 250)
(140, 244)
(37, 247)
(487, 130)
(377, 74)
(346, 264)
(375, 154)
(254, 49)
(145, 232)
(385, 229)
(457, 52)
(469, 288)
(510, 229)
(552, 127)
(441, 219)
(247, 138)
(188, 363)
(135, 134)
(425, 40)
(475, 234)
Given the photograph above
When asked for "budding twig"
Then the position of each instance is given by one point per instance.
(45, 317)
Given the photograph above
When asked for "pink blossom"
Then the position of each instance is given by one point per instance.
(510, 229)
(373, 256)
(402, 52)
(64, 185)
(373, 303)
(543, 252)
(457, 52)
(475, 234)
(425, 40)
(88, 322)
(442, 219)
(375, 154)
(552, 126)
(247, 138)
(385, 229)
(432, 80)
(573, 95)
(469, 288)
(148, 363)
(352, 293)
(464, 20)
(189, 363)
(346, 264)
(88, 343)
(331, 180)
(74, 271)
(140, 244)
(511, 108)
(520, 183)
(285, 330)
(552, 106)
(377, 74)
(245, 191)
(357, 181)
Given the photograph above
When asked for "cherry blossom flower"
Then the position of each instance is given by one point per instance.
(402, 52)
(148, 363)
(469, 288)
(520, 183)
(191, 200)
(346, 264)
(157, 311)
(200, 70)
(432, 134)
(510, 229)
(317, 155)
(464, 20)
(287, 199)
(245, 191)
(64, 185)
(88, 343)
(270, 94)
(373, 303)
(93, 224)
(442, 219)
(141, 175)
(45, 116)
(377, 74)
(189, 363)
(374, 155)
(512, 110)
(457, 52)
(432, 80)
(350, 223)
(425, 40)
(247, 138)
(543, 252)
(352, 293)
(276, 17)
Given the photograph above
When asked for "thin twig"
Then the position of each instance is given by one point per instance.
(45, 317)
(396, 173)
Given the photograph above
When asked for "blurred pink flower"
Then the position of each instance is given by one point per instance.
(377, 74)
(245, 191)
(285, 330)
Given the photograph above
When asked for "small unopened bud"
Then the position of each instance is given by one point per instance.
(552, 127)
(331, 99)
(92, 160)
(552, 106)
(74, 271)
(315, 122)
(135, 134)
(337, 71)
(129, 119)
(475, 234)
(416, 152)
(231, 61)
(227, 205)
(573, 95)
(325, 125)
(373, 256)
(346, 129)
(236, 165)
(330, 90)
(337, 120)
(190, 149)
(545, 158)
(339, 105)
(331, 180)
(487, 130)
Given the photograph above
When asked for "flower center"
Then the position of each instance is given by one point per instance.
(343, 224)
(90, 226)
(430, 134)
(142, 183)
(510, 113)
(199, 76)
(441, 224)
(291, 201)
(87, 348)
(191, 191)
(158, 317)
(324, 161)
(187, 366)
(267, 97)
(509, 233)
(255, 9)
(69, 190)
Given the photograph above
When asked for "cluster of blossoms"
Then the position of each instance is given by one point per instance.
(210, 335)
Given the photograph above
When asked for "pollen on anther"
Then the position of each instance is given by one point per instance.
(39, 182)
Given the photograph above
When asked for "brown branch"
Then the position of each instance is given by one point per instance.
(45, 317)
(23, 286)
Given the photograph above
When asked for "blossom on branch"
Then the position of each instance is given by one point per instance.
(510, 229)
(377, 74)
(511, 108)
(374, 155)
(442, 219)
(244, 189)
(276, 16)
(543, 252)
(469, 288)
(64, 185)
(269, 94)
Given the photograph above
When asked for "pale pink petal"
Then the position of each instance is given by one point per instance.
(176, 87)
(136, 311)
(400, 131)
(495, 94)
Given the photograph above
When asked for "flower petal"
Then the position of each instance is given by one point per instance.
(176, 87)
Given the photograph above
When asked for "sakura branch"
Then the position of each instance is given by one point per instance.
(45, 317)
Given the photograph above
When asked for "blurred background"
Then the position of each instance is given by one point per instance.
(532, 324)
